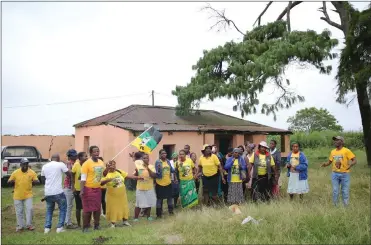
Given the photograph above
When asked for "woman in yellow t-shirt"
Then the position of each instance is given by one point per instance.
(187, 173)
(210, 168)
(237, 168)
(91, 194)
(117, 201)
(262, 165)
(164, 189)
(145, 192)
(297, 171)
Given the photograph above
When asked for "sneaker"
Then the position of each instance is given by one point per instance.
(71, 226)
(46, 230)
(103, 215)
(113, 226)
(60, 229)
(149, 218)
(19, 229)
(31, 228)
(126, 223)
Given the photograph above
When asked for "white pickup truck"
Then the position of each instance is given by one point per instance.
(11, 157)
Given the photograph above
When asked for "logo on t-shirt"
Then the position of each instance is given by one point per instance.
(338, 159)
(98, 173)
(185, 170)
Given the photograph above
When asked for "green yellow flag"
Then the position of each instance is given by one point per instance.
(148, 140)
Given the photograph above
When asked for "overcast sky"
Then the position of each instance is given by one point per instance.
(58, 52)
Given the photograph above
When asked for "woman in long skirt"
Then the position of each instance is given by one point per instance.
(237, 168)
(145, 192)
(297, 171)
(263, 166)
(187, 173)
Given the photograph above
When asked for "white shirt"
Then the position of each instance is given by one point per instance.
(53, 172)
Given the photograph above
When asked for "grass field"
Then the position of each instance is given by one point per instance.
(313, 221)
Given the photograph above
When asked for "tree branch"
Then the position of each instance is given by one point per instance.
(221, 19)
(296, 3)
(288, 16)
(327, 17)
(262, 13)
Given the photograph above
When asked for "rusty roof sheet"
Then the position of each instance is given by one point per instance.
(162, 117)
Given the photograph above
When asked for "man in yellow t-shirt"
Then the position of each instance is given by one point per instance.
(23, 178)
(342, 160)
(91, 193)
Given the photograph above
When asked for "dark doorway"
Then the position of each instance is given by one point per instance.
(223, 142)
(170, 149)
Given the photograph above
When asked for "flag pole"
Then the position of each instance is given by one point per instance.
(129, 144)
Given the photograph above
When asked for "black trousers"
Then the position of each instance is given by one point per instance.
(104, 201)
(261, 188)
(225, 189)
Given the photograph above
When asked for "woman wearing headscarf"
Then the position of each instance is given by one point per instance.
(297, 171)
(193, 157)
(263, 165)
(175, 185)
(211, 170)
(164, 190)
(237, 168)
(187, 173)
(145, 192)
(117, 201)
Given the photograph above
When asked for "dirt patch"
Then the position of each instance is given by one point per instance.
(100, 240)
(174, 239)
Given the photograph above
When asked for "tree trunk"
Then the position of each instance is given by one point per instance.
(365, 110)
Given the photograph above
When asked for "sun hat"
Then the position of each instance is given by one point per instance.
(205, 146)
(264, 144)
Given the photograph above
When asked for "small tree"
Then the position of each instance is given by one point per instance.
(313, 119)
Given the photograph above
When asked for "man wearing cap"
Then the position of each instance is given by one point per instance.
(23, 178)
(68, 189)
(342, 160)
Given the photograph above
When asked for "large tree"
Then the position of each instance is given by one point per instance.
(313, 119)
(242, 70)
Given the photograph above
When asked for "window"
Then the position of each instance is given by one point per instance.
(170, 149)
(86, 143)
(19, 151)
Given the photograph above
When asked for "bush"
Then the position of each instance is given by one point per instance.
(314, 140)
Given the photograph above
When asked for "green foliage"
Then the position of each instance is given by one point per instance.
(313, 119)
(315, 140)
(355, 59)
(241, 70)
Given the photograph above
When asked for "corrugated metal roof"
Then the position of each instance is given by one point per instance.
(162, 117)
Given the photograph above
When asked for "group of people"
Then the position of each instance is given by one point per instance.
(244, 169)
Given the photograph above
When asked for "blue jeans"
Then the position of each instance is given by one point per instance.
(61, 200)
(343, 180)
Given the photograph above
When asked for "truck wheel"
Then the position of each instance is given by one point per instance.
(4, 182)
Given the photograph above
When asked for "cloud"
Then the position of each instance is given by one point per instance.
(66, 51)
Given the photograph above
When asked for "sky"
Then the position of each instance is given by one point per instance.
(61, 52)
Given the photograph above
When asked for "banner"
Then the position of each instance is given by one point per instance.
(148, 140)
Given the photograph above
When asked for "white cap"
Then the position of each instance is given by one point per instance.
(264, 144)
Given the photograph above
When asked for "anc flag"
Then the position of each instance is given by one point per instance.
(148, 140)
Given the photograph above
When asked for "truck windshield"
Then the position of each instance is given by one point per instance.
(19, 151)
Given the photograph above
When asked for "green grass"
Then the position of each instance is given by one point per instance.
(313, 221)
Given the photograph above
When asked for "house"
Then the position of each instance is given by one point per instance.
(115, 131)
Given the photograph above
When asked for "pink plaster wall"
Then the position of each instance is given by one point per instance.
(46, 144)
(112, 140)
